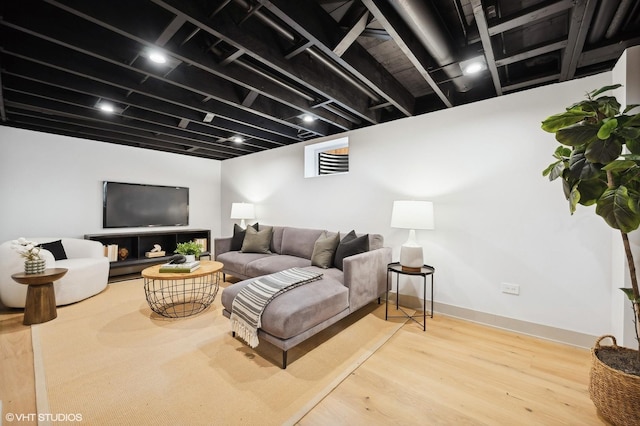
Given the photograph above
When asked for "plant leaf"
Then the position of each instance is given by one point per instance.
(630, 107)
(577, 134)
(618, 207)
(591, 190)
(554, 170)
(608, 106)
(618, 165)
(562, 152)
(604, 89)
(604, 151)
(558, 121)
(607, 127)
(574, 198)
(580, 168)
(630, 295)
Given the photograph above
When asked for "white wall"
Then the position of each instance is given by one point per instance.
(497, 219)
(51, 185)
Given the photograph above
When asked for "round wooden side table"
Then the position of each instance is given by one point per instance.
(40, 305)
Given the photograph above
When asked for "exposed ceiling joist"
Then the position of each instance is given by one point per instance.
(253, 70)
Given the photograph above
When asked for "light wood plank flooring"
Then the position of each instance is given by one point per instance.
(455, 373)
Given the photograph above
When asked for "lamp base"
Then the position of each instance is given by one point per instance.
(410, 268)
(411, 258)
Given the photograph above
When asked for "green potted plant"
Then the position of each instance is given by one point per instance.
(190, 250)
(598, 163)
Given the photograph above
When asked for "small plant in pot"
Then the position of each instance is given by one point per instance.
(190, 250)
(598, 163)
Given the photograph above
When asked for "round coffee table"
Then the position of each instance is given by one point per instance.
(178, 295)
(40, 305)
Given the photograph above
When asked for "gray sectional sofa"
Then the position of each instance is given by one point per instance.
(306, 310)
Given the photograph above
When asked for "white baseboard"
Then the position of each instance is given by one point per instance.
(560, 335)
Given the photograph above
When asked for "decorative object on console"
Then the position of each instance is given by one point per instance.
(123, 253)
(156, 251)
(412, 215)
(242, 211)
(33, 264)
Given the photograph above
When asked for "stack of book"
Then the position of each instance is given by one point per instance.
(180, 268)
(111, 251)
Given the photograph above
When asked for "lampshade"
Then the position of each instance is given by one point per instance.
(242, 211)
(412, 215)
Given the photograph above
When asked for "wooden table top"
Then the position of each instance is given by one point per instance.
(206, 267)
(49, 275)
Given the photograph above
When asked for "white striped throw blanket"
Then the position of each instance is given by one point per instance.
(250, 302)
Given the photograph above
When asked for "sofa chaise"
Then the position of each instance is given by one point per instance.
(88, 270)
(347, 283)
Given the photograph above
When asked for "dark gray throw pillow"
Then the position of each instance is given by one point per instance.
(56, 248)
(257, 241)
(350, 245)
(238, 236)
(324, 250)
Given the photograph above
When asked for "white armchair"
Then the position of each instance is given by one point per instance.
(88, 271)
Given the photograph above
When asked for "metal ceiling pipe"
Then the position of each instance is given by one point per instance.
(311, 50)
(423, 23)
(601, 20)
(618, 18)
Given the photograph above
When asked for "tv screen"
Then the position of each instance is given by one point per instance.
(131, 204)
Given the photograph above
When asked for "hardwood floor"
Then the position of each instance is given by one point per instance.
(459, 372)
(455, 373)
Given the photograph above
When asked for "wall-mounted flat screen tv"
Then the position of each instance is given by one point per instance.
(131, 204)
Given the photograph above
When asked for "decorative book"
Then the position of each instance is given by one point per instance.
(180, 268)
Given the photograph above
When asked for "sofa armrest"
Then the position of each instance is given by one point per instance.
(365, 275)
(76, 248)
(221, 245)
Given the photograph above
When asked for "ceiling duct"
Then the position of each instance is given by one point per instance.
(425, 25)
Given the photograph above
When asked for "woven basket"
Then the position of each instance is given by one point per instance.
(615, 394)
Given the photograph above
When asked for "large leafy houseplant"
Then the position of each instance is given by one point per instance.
(598, 162)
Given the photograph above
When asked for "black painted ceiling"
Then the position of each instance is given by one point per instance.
(253, 68)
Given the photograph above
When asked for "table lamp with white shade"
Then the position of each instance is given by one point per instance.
(412, 215)
(242, 211)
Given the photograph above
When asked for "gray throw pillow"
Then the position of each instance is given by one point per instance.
(324, 249)
(257, 241)
(349, 246)
(238, 236)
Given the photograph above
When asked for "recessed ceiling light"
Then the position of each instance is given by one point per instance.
(308, 118)
(473, 65)
(237, 139)
(473, 68)
(106, 107)
(157, 57)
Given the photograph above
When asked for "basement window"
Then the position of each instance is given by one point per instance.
(327, 158)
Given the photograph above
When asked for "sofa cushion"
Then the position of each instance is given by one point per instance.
(56, 248)
(299, 241)
(324, 250)
(257, 241)
(236, 261)
(299, 309)
(276, 263)
(350, 245)
(238, 236)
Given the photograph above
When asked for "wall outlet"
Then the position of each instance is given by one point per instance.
(510, 288)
